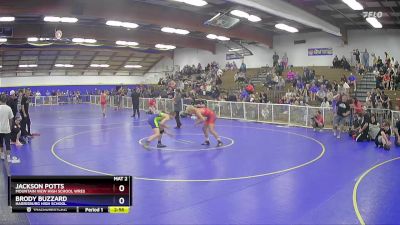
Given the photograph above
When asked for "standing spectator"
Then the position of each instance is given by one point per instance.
(6, 116)
(26, 121)
(357, 54)
(365, 57)
(243, 68)
(178, 108)
(13, 102)
(342, 116)
(275, 59)
(135, 102)
(285, 61)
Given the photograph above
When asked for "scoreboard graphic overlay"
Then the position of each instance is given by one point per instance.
(77, 194)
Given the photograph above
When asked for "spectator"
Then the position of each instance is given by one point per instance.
(16, 132)
(285, 61)
(396, 133)
(357, 55)
(342, 115)
(6, 116)
(336, 62)
(365, 58)
(12, 101)
(291, 75)
(26, 121)
(318, 121)
(363, 131)
(275, 59)
(352, 81)
(382, 139)
(243, 68)
(358, 108)
(325, 103)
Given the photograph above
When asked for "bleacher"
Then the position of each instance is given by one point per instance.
(258, 78)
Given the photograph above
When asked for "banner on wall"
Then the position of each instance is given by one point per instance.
(320, 51)
(232, 56)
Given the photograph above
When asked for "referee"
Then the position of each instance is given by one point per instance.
(177, 108)
(135, 102)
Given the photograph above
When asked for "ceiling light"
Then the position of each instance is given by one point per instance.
(78, 40)
(212, 36)
(1, 66)
(374, 22)
(2, 40)
(52, 19)
(27, 65)
(91, 41)
(181, 31)
(129, 25)
(83, 40)
(133, 66)
(173, 30)
(7, 19)
(126, 43)
(132, 43)
(64, 65)
(193, 2)
(354, 4)
(253, 18)
(221, 38)
(32, 39)
(286, 28)
(240, 13)
(69, 20)
(113, 23)
(60, 19)
(121, 24)
(165, 47)
(100, 65)
(168, 30)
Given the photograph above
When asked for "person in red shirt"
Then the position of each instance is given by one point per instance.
(318, 121)
(207, 116)
(152, 106)
(103, 102)
(358, 107)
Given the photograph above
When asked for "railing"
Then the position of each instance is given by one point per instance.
(257, 112)
(57, 100)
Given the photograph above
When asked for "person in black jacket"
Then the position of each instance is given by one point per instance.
(135, 102)
(12, 101)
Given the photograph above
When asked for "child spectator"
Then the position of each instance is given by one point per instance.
(382, 139)
(318, 121)
(16, 132)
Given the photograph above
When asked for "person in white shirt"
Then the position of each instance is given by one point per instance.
(6, 116)
(325, 103)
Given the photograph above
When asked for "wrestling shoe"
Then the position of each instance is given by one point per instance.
(206, 143)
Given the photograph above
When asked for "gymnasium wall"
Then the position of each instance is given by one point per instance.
(71, 82)
(377, 41)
